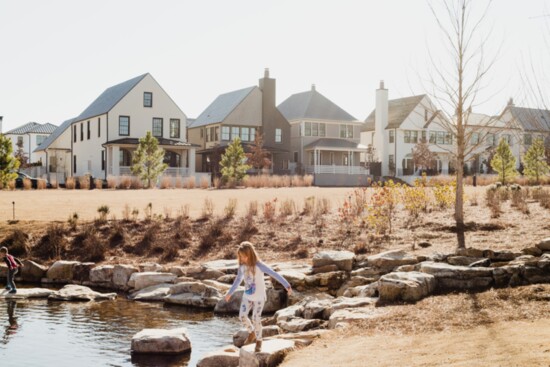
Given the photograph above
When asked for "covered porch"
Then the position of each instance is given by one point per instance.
(335, 156)
(441, 165)
(179, 156)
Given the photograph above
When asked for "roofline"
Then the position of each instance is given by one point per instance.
(234, 108)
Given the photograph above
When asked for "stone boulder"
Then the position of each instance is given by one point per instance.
(290, 312)
(544, 245)
(272, 354)
(222, 287)
(463, 260)
(296, 279)
(81, 272)
(161, 341)
(267, 331)
(32, 272)
(451, 277)
(345, 302)
(405, 286)
(153, 293)
(122, 274)
(500, 255)
(297, 325)
(61, 271)
(534, 250)
(150, 268)
(391, 259)
(314, 309)
(508, 275)
(194, 294)
(276, 299)
(355, 281)
(327, 281)
(367, 272)
(24, 293)
(369, 290)
(342, 259)
(102, 275)
(352, 315)
(143, 280)
(73, 292)
(224, 266)
(226, 357)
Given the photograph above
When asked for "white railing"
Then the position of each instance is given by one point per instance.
(170, 171)
(345, 170)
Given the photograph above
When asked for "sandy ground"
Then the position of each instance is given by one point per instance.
(514, 343)
(62, 203)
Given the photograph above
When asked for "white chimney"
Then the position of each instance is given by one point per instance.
(1, 118)
(380, 123)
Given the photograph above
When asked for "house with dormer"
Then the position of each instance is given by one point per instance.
(29, 136)
(242, 113)
(325, 139)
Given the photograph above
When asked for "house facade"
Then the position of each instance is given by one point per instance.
(325, 140)
(104, 136)
(243, 113)
(29, 137)
(55, 151)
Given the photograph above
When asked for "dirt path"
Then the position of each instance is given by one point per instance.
(517, 343)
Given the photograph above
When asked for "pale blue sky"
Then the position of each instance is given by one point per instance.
(57, 56)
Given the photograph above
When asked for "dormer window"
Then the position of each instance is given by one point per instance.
(147, 99)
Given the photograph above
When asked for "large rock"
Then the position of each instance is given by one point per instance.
(61, 271)
(463, 260)
(81, 272)
(267, 331)
(290, 312)
(450, 277)
(151, 268)
(391, 259)
(352, 315)
(544, 245)
(226, 357)
(153, 293)
(509, 275)
(342, 259)
(122, 274)
(272, 354)
(32, 272)
(346, 302)
(355, 281)
(331, 281)
(73, 292)
(405, 286)
(161, 341)
(194, 294)
(369, 290)
(225, 266)
(23, 293)
(295, 278)
(102, 275)
(368, 272)
(222, 287)
(297, 324)
(143, 280)
(276, 300)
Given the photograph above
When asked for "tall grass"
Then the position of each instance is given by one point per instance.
(205, 182)
(166, 182)
(111, 182)
(274, 181)
(70, 183)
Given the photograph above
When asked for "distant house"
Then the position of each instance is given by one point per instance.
(243, 113)
(30, 136)
(104, 135)
(56, 153)
(325, 139)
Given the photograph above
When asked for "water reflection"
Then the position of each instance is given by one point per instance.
(45, 333)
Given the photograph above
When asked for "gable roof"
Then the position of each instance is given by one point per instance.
(54, 135)
(398, 110)
(333, 143)
(531, 118)
(314, 105)
(23, 129)
(222, 106)
(109, 98)
(46, 128)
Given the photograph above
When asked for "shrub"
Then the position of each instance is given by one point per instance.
(118, 235)
(205, 182)
(361, 248)
(148, 210)
(210, 236)
(301, 253)
(170, 252)
(382, 206)
(297, 181)
(73, 221)
(269, 210)
(309, 205)
(519, 199)
(230, 208)
(415, 199)
(308, 180)
(246, 229)
(165, 182)
(135, 214)
(179, 182)
(17, 243)
(217, 182)
(103, 211)
(98, 183)
(207, 208)
(53, 245)
(111, 182)
(288, 207)
(41, 184)
(136, 183)
(492, 199)
(84, 182)
(126, 213)
(323, 206)
(70, 183)
(252, 209)
(125, 182)
(148, 240)
(27, 184)
(11, 185)
(93, 248)
(444, 194)
(183, 211)
(190, 182)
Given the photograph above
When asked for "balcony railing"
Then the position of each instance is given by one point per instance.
(170, 171)
(345, 170)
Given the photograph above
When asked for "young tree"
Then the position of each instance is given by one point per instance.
(8, 163)
(233, 166)
(147, 161)
(535, 164)
(422, 155)
(504, 162)
(258, 156)
(20, 155)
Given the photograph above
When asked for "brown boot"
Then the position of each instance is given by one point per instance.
(250, 339)
(258, 348)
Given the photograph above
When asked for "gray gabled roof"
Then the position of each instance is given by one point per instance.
(398, 110)
(333, 143)
(46, 128)
(222, 106)
(23, 129)
(314, 105)
(109, 98)
(531, 119)
(54, 135)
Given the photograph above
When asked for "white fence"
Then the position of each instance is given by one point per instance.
(170, 171)
(346, 170)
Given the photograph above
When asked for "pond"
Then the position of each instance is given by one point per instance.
(51, 333)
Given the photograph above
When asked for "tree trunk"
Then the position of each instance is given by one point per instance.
(459, 204)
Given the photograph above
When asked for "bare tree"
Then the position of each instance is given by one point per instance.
(422, 155)
(258, 157)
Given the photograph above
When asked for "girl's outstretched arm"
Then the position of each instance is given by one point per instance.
(266, 269)
(236, 283)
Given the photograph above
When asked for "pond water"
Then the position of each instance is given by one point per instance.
(51, 333)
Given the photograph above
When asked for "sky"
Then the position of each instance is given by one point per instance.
(57, 56)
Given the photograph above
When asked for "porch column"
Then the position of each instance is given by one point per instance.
(350, 161)
(115, 156)
(191, 153)
(445, 164)
(315, 160)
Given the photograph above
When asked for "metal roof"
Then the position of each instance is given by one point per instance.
(46, 128)
(531, 119)
(222, 106)
(314, 105)
(162, 142)
(23, 129)
(54, 135)
(332, 143)
(109, 98)
(398, 110)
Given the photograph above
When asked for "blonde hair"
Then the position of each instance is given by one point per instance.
(247, 249)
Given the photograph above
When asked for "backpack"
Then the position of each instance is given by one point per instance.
(11, 260)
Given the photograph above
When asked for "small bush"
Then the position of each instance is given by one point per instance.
(41, 184)
(148, 240)
(252, 209)
(70, 183)
(308, 180)
(210, 236)
(323, 206)
(205, 182)
(230, 209)
(11, 185)
(148, 210)
(297, 181)
(27, 184)
(126, 213)
(170, 252)
(217, 182)
(103, 211)
(111, 182)
(309, 205)
(136, 183)
(179, 182)
(361, 248)
(118, 235)
(73, 221)
(492, 200)
(125, 182)
(269, 210)
(53, 245)
(190, 182)
(92, 248)
(98, 183)
(246, 229)
(208, 208)
(135, 214)
(17, 243)
(166, 182)
(287, 207)
(84, 182)
(183, 211)
(301, 253)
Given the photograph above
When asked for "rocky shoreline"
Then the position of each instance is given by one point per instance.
(336, 289)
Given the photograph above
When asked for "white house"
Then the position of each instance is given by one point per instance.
(30, 136)
(395, 126)
(324, 139)
(104, 136)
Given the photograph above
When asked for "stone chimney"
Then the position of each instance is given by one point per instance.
(380, 123)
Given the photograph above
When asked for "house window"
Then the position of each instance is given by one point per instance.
(124, 158)
(307, 129)
(440, 137)
(245, 133)
(346, 131)
(74, 133)
(81, 131)
(322, 129)
(147, 99)
(295, 157)
(174, 128)
(345, 159)
(407, 136)
(217, 133)
(40, 139)
(414, 137)
(213, 134)
(88, 129)
(207, 131)
(19, 140)
(312, 158)
(433, 137)
(157, 127)
(225, 132)
(234, 132)
(392, 136)
(74, 164)
(423, 135)
(507, 138)
(475, 138)
(448, 138)
(527, 139)
(124, 125)
(278, 135)
(98, 127)
(391, 162)
(252, 134)
(103, 160)
(491, 139)
(314, 129)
